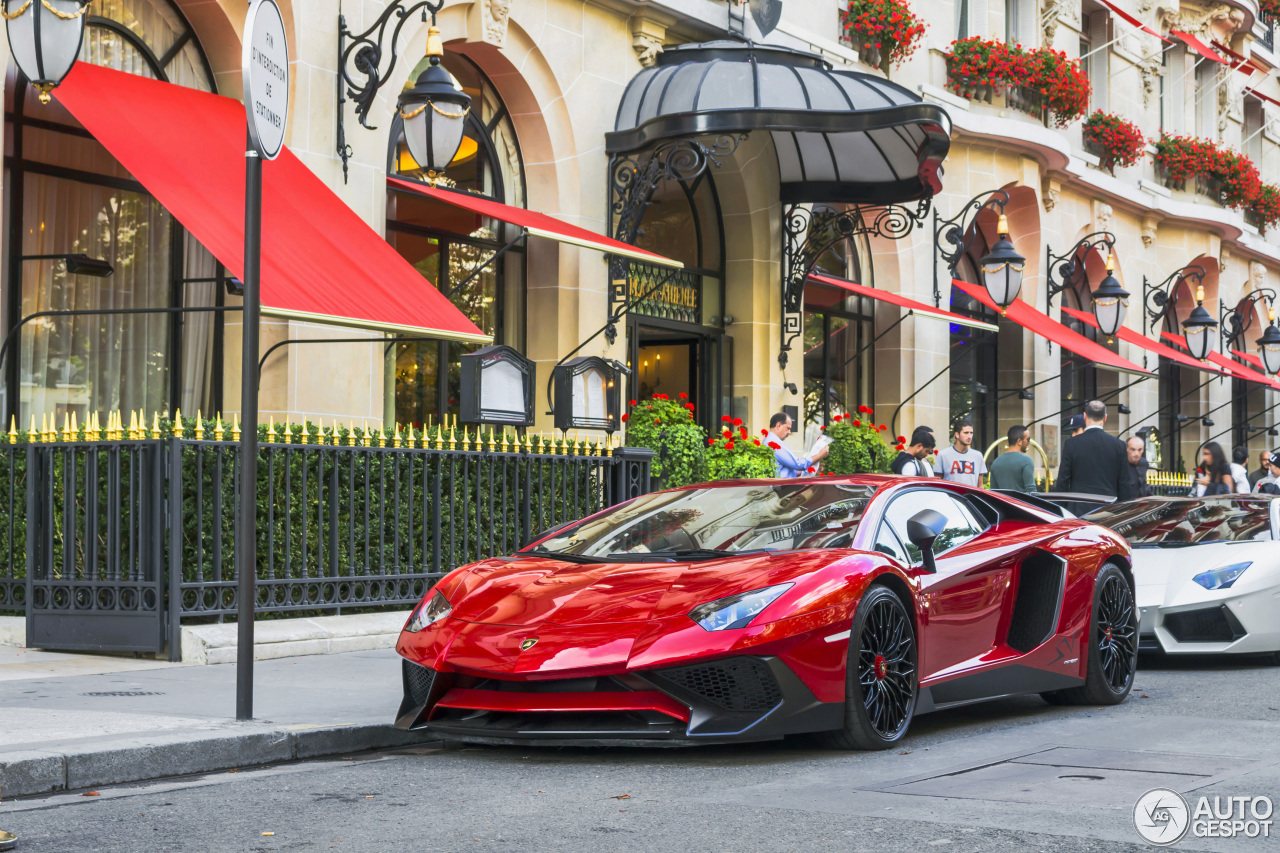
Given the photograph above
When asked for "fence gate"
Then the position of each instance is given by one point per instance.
(95, 546)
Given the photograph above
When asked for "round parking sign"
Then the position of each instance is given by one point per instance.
(264, 63)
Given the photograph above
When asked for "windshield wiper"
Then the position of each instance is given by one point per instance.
(564, 557)
(704, 553)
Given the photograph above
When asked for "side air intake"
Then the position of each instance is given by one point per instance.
(1041, 578)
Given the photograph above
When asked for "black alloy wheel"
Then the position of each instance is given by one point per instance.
(1116, 633)
(1113, 644)
(881, 677)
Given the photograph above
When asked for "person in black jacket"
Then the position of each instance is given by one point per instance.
(1094, 462)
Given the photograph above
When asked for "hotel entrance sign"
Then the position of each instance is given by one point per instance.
(265, 66)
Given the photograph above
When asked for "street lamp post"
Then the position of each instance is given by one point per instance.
(45, 38)
(1110, 300)
(1159, 300)
(1236, 321)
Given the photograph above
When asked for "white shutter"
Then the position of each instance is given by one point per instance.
(1100, 62)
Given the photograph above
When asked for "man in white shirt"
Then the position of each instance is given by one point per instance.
(960, 463)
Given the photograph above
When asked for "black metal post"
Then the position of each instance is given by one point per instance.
(247, 529)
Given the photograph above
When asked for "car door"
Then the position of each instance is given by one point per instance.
(962, 601)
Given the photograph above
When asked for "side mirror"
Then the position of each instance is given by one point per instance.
(923, 529)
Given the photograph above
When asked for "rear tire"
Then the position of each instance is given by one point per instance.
(1113, 645)
(881, 676)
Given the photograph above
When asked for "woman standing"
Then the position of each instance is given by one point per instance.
(1213, 477)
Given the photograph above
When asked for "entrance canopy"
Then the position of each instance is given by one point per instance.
(841, 136)
(901, 301)
(1047, 327)
(1129, 335)
(531, 222)
(320, 261)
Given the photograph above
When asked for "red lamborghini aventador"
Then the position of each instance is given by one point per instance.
(750, 610)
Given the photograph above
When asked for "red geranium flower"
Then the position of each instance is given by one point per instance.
(631, 402)
(728, 445)
(737, 421)
(811, 469)
(711, 441)
(757, 441)
(683, 396)
(764, 432)
(689, 406)
(626, 417)
(857, 423)
(773, 445)
(902, 439)
(725, 418)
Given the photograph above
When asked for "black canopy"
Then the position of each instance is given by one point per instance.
(841, 136)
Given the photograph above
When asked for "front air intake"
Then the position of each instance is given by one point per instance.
(734, 684)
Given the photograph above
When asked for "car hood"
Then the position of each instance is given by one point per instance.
(536, 590)
(1163, 576)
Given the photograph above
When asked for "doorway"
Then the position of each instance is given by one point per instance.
(675, 362)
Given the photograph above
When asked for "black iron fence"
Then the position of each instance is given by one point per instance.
(113, 543)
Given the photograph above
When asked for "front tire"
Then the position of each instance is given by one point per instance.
(1113, 644)
(881, 677)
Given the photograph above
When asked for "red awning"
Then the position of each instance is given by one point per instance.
(1241, 63)
(1198, 46)
(1129, 335)
(1131, 20)
(1235, 368)
(902, 302)
(320, 261)
(1260, 96)
(1251, 358)
(534, 223)
(1047, 327)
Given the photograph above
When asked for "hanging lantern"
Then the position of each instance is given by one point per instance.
(1196, 328)
(434, 113)
(45, 38)
(1002, 268)
(1110, 302)
(1269, 345)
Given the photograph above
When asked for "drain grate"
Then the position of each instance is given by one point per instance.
(1095, 777)
(123, 693)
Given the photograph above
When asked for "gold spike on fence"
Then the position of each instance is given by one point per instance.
(235, 427)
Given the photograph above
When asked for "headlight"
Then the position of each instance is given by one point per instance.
(428, 611)
(1222, 577)
(736, 611)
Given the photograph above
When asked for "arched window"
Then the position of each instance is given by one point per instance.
(974, 354)
(839, 365)
(675, 334)
(448, 245)
(67, 195)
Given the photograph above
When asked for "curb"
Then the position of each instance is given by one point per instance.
(140, 758)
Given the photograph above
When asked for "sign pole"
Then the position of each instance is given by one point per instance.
(264, 63)
(247, 528)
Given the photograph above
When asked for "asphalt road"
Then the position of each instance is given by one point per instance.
(1217, 719)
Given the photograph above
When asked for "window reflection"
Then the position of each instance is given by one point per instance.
(731, 519)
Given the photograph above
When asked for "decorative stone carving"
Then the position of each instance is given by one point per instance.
(1144, 6)
(496, 14)
(1149, 226)
(647, 37)
(1049, 194)
(1150, 71)
(1049, 19)
(487, 22)
(1102, 216)
(1257, 275)
(1224, 260)
(1189, 18)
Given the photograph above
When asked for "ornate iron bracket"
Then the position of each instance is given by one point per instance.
(1234, 322)
(1069, 266)
(633, 179)
(958, 232)
(1158, 300)
(359, 59)
(808, 235)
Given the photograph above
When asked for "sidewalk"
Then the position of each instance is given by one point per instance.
(63, 729)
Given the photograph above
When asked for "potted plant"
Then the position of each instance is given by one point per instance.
(1264, 211)
(734, 454)
(1115, 141)
(858, 445)
(667, 427)
(884, 32)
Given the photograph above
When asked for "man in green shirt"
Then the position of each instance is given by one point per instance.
(1013, 469)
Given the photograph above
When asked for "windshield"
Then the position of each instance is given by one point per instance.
(1170, 522)
(708, 522)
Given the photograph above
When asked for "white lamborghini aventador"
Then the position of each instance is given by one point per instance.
(1207, 572)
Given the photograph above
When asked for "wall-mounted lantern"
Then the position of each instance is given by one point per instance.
(497, 387)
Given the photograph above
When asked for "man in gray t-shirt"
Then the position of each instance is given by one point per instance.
(960, 463)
